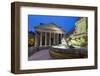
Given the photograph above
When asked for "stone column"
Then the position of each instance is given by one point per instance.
(54, 39)
(50, 39)
(45, 39)
(57, 38)
(35, 39)
(40, 38)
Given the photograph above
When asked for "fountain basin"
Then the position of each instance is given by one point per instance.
(68, 53)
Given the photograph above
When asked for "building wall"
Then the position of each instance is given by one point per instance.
(81, 26)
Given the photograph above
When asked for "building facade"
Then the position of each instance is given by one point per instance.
(81, 27)
(48, 35)
(79, 36)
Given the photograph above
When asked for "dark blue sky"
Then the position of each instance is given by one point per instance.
(66, 22)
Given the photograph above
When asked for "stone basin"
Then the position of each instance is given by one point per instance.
(64, 52)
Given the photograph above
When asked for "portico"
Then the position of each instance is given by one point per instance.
(48, 35)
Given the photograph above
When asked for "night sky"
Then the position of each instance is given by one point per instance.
(65, 22)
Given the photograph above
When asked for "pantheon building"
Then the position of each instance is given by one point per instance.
(48, 35)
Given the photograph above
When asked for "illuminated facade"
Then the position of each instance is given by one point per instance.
(48, 35)
(80, 28)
